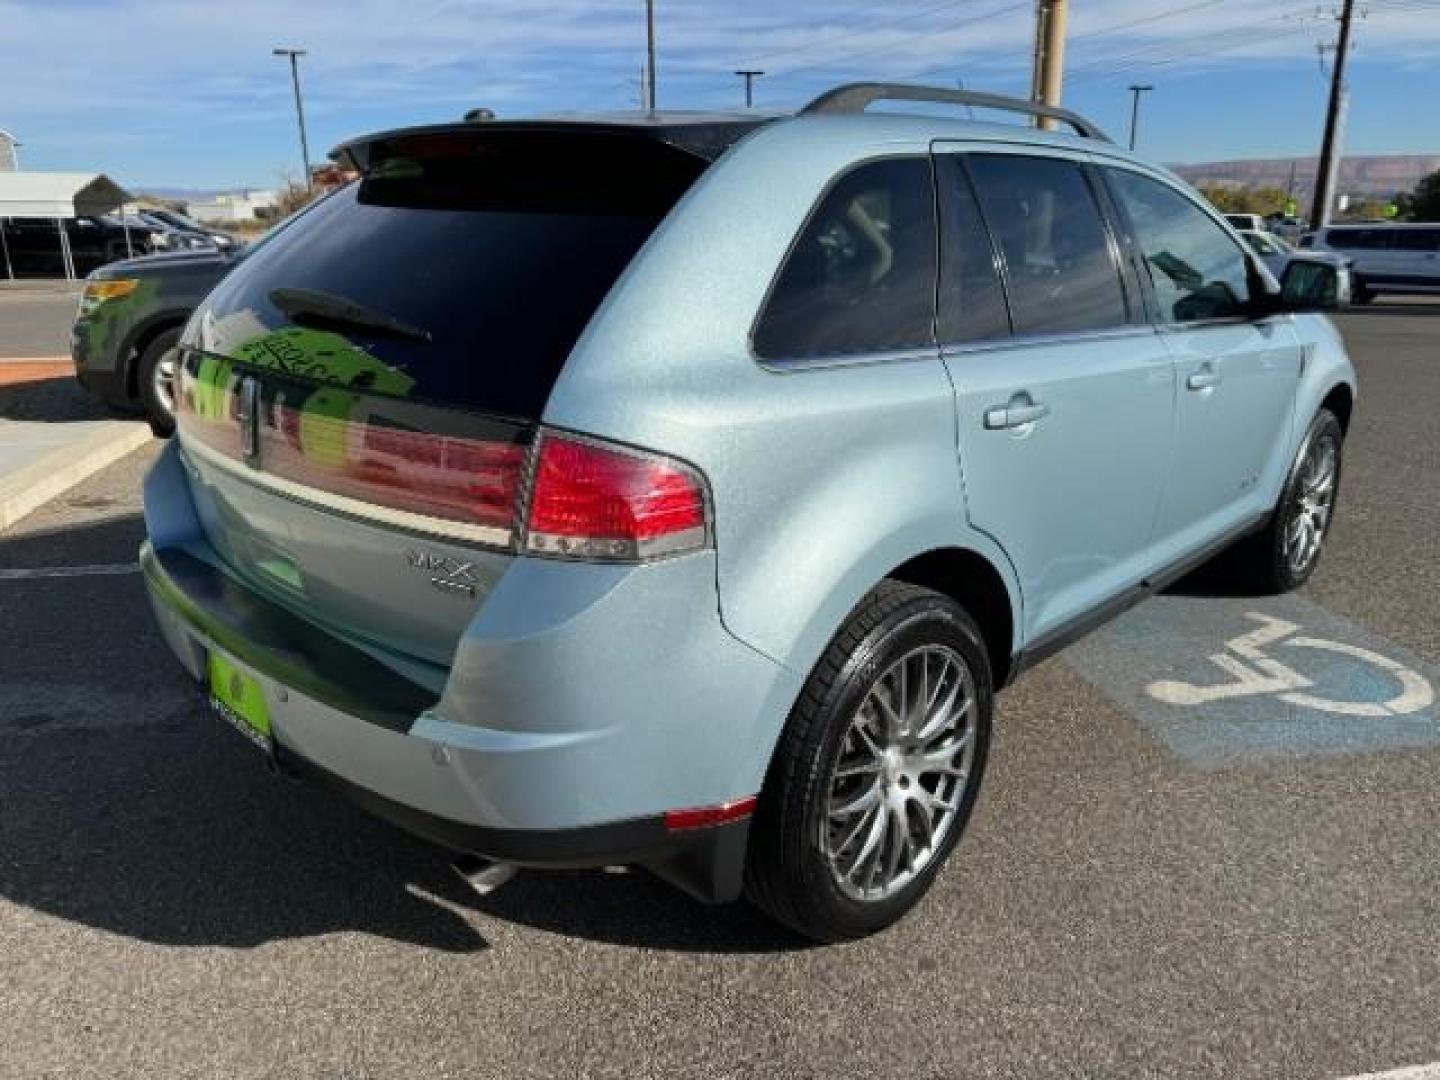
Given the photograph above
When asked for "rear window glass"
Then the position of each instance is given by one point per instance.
(1355, 239)
(1416, 239)
(460, 270)
(861, 276)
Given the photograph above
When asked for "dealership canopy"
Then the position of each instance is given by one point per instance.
(58, 195)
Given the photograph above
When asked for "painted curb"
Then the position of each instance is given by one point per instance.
(58, 471)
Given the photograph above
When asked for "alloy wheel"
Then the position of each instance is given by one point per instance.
(902, 773)
(1311, 507)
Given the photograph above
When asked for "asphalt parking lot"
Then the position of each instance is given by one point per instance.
(1164, 877)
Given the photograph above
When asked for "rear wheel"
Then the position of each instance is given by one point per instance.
(155, 377)
(877, 770)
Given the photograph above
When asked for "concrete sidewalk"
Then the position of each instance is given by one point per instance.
(52, 436)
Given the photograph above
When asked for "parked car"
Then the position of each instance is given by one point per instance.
(1398, 259)
(1277, 255)
(1246, 222)
(33, 244)
(164, 237)
(176, 220)
(687, 508)
(127, 328)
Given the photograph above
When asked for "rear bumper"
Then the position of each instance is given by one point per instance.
(545, 744)
(199, 608)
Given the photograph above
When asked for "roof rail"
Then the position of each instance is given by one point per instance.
(856, 97)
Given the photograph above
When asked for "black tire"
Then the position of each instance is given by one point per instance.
(1267, 557)
(161, 415)
(788, 871)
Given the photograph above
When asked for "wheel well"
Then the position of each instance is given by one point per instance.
(1340, 401)
(974, 583)
(137, 349)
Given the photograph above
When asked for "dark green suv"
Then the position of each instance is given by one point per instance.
(129, 322)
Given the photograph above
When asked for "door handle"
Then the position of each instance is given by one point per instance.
(1207, 378)
(1003, 417)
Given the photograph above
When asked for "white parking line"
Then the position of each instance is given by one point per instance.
(1414, 1072)
(96, 570)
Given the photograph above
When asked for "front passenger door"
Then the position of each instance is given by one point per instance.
(1235, 375)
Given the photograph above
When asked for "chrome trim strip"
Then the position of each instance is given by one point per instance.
(424, 524)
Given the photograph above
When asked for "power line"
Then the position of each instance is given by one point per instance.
(1117, 66)
(863, 28)
(830, 62)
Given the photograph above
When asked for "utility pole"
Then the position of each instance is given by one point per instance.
(294, 55)
(650, 55)
(1135, 92)
(1329, 148)
(749, 75)
(1049, 74)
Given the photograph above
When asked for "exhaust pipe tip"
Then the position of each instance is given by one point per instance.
(483, 875)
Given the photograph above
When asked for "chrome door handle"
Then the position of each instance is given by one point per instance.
(1204, 380)
(1002, 417)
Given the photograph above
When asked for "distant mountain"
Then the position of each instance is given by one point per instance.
(1375, 175)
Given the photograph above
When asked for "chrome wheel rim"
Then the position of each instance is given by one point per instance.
(163, 380)
(902, 774)
(1310, 510)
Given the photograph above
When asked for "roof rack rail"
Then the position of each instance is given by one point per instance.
(856, 97)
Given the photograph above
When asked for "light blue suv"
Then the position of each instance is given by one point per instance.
(678, 490)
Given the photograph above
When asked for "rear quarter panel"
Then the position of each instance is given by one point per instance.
(824, 479)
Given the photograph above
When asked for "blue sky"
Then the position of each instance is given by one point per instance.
(186, 93)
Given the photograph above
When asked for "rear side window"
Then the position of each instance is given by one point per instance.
(971, 300)
(460, 270)
(1198, 271)
(1416, 239)
(1355, 239)
(861, 276)
(1059, 265)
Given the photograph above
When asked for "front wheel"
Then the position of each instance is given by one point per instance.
(1286, 552)
(155, 376)
(877, 770)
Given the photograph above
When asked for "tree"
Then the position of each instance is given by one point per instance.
(1424, 202)
(1265, 201)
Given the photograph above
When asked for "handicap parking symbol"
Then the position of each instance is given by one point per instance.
(1223, 680)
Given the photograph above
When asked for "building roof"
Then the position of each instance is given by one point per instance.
(58, 195)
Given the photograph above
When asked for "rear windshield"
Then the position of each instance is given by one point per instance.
(459, 270)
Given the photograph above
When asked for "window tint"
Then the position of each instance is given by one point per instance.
(972, 303)
(1058, 262)
(1355, 239)
(1416, 239)
(1198, 271)
(861, 277)
(484, 242)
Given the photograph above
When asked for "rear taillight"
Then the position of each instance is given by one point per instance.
(590, 501)
(470, 482)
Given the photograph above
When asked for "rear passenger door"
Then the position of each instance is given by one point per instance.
(1064, 393)
(1236, 375)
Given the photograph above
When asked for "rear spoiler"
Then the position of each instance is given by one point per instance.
(704, 139)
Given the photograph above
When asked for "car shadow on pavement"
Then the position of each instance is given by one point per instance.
(50, 400)
(125, 806)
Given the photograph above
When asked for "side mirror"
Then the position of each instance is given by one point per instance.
(1313, 285)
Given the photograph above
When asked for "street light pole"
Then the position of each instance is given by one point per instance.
(1135, 92)
(294, 55)
(650, 55)
(749, 75)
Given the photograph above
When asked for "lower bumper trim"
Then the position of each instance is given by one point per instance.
(707, 863)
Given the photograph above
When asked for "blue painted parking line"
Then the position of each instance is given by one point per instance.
(1228, 681)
